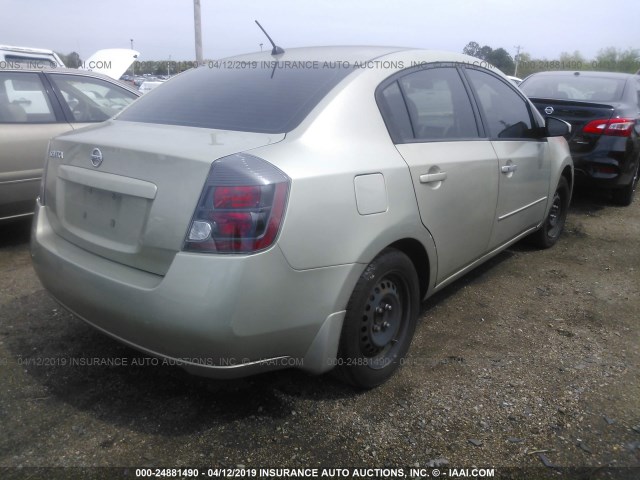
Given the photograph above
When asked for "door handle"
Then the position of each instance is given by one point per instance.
(508, 168)
(433, 177)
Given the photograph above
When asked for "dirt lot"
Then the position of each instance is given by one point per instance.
(531, 361)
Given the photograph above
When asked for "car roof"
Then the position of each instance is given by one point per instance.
(585, 73)
(351, 53)
(354, 54)
(13, 48)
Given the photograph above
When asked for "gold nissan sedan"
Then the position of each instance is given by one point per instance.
(291, 209)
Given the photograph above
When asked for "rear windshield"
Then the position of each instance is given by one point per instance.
(577, 87)
(270, 98)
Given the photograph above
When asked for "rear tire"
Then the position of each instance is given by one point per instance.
(380, 320)
(553, 225)
(624, 196)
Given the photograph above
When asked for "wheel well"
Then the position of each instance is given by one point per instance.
(418, 256)
(566, 173)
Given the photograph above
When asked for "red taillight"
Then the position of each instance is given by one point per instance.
(275, 219)
(618, 127)
(232, 224)
(236, 197)
(241, 207)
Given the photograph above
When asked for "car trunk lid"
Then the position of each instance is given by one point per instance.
(127, 191)
(578, 114)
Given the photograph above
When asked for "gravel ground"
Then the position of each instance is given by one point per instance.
(531, 362)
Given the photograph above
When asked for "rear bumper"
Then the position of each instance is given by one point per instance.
(605, 169)
(222, 316)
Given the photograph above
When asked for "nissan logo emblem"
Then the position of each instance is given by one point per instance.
(548, 110)
(96, 157)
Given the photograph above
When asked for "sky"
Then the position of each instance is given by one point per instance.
(163, 29)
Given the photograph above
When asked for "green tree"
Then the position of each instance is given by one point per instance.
(161, 68)
(71, 60)
(472, 49)
(499, 57)
(629, 61)
(611, 59)
(606, 60)
(573, 61)
(485, 52)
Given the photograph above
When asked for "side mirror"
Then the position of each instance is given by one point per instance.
(555, 127)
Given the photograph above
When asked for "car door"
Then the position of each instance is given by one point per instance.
(524, 162)
(29, 117)
(453, 169)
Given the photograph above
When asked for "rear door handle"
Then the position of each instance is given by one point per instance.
(508, 168)
(433, 177)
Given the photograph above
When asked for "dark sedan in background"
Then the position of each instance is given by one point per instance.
(604, 111)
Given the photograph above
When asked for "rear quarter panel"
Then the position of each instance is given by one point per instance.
(344, 137)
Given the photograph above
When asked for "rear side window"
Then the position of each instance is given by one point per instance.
(23, 99)
(272, 99)
(395, 114)
(438, 105)
(505, 112)
(428, 105)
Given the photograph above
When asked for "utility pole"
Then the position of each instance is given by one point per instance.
(133, 64)
(517, 47)
(197, 23)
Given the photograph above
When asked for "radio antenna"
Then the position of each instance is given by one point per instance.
(276, 49)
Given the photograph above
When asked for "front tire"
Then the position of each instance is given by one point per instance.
(553, 225)
(380, 320)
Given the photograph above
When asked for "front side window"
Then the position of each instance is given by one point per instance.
(91, 99)
(23, 99)
(506, 114)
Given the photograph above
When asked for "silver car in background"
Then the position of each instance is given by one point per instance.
(36, 105)
(270, 211)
